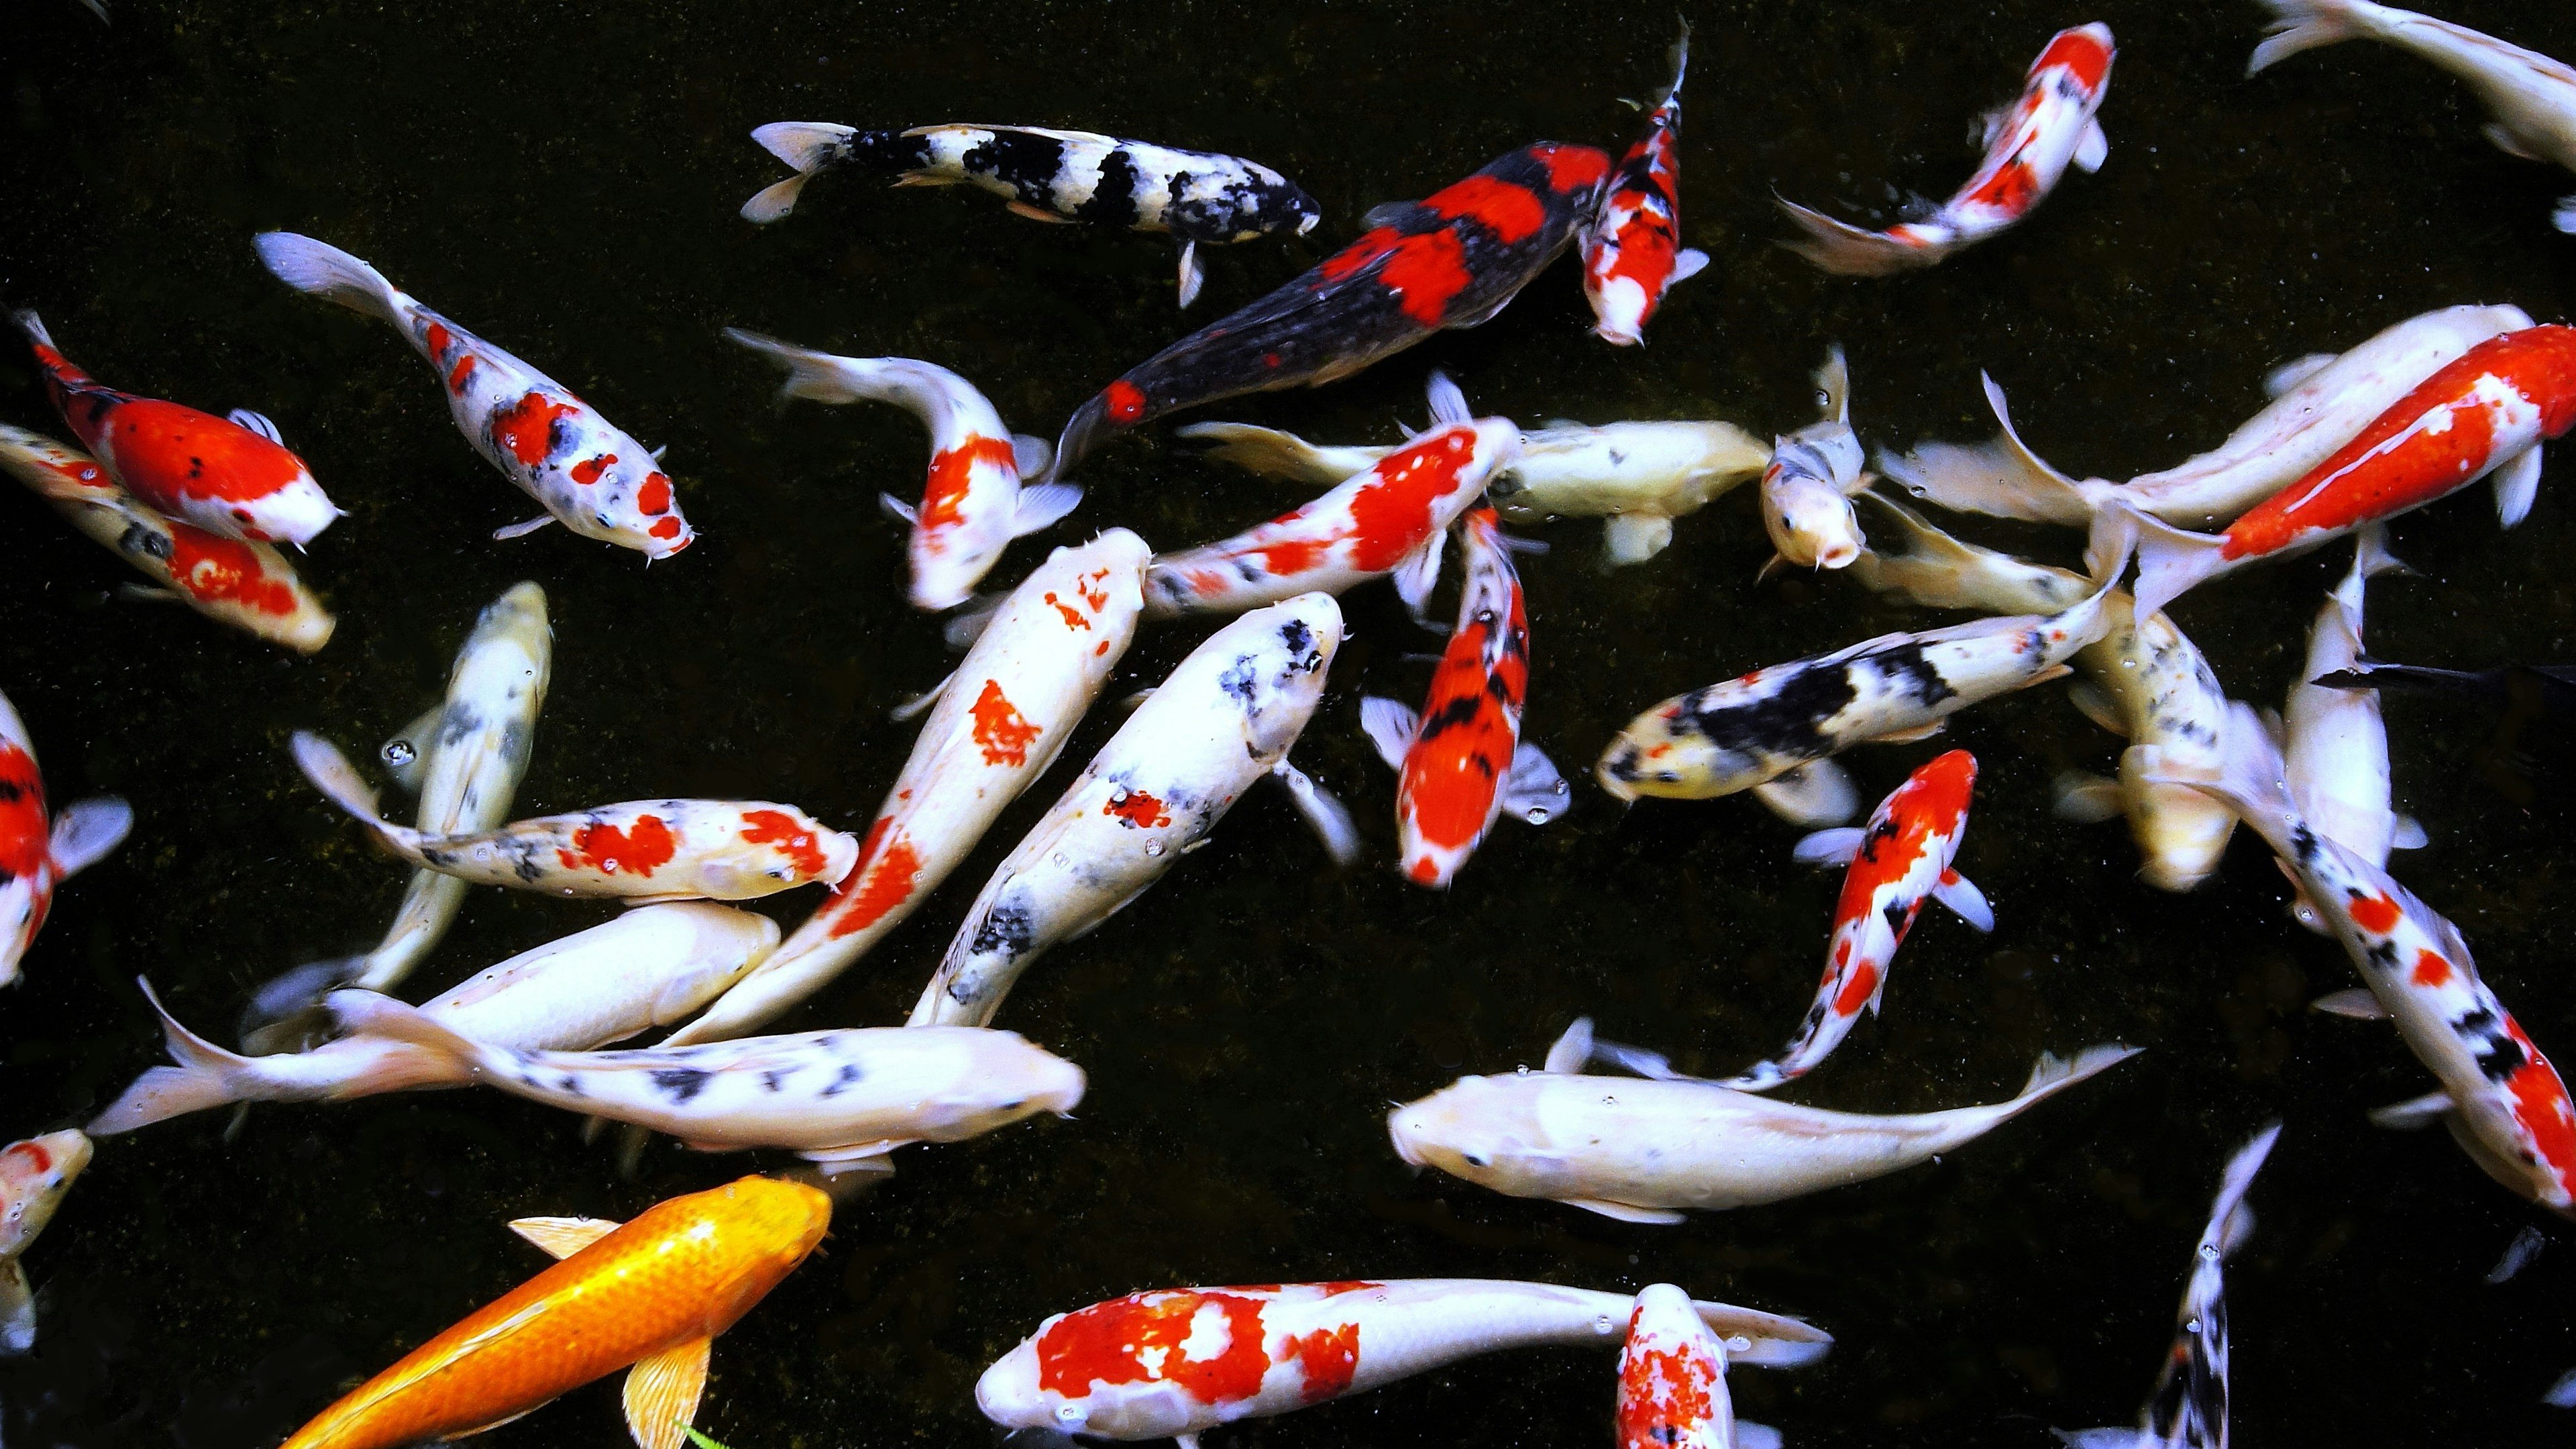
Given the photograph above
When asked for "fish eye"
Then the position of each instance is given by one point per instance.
(1476, 1159)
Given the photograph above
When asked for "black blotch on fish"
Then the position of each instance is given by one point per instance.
(148, 542)
(570, 1085)
(1899, 916)
(1241, 680)
(1004, 928)
(680, 1084)
(1297, 636)
(1113, 198)
(842, 1079)
(1905, 663)
(771, 1080)
(1786, 721)
(2382, 954)
(2498, 1055)
(1027, 164)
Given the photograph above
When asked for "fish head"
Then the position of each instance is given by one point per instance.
(1810, 521)
(1672, 1377)
(1279, 658)
(778, 1220)
(1665, 754)
(1125, 1369)
(1484, 1130)
(294, 512)
(776, 848)
(34, 1175)
(620, 495)
(991, 1080)
(1282, 206)
(2181, 832)
(1619, 307)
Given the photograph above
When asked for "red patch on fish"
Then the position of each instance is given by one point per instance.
(1510, 211)
(640, 849)
(2541, 1104)
(587, 471)
(1140, 810)
(1000, 728)
(2086, 58)
(1663, 1395)
(2431, 969)
(166, 454)
(795, 841)
(457, 376)
(1140, 1338)
(526, 428)
(24, 848)
(952, 473)
(1125, 401)
(1073, 618)
(212, 568)
(2376, 914)
(1348, 1285)
(1572, 168)
(655, 495)
(1327, 1357)
(1291, 555)
(38, 1161)
(879, 883)
(1424, 270)
(438, 337)
(1392, 516)
(667, 528)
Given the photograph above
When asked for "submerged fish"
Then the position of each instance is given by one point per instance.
(652, 1293)
(1672, 1380)
(1632, 248)
(34, 1176)
(1807, 489)
(38, 852)
(2336, 746)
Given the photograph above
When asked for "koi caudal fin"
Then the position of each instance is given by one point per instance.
(327, 272)
(2298, 25)
(2170, 560)
(372, 1013)
(809, 146)
(333, 775)
(203, 1078)
(2053, 1074)
(1274, 454)
(1851, 252)
(2001, 477)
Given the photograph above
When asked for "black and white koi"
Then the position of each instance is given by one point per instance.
(1632, 248)
(1808, 487)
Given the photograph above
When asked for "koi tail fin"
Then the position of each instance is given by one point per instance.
(2002, 477)
(1323, 812)
(28, 322)
(810, 147)
(204, 1077)
(333, 775)
(2230, 1221)
(87, 830)
(1448, 404)
(327, 272)
(370, 1013)
(816, 376)
(2298, 25)
(2170, 560)
(1681, 65)
(2053, 1074)
(1274, 454)
(1851, 252)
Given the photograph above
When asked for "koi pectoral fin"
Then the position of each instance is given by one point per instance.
(1193, 276)
(1325, 814)
(924, 700)
(1689, 262)
(1572, 1051)
(1816, 793)
(1965, 901)
(2564, 218)
(521, 530)
(2356, 1004)
(2086, 799)
(17, 1309)
(1419, 572)
(662, 1395)
(1042, 506)
(2092, 148)
(1631, 538)
(1390, 727)
(2516, 484)
(87, 830)
(1829, 847)
(2414, 1113)
(1626, 1212)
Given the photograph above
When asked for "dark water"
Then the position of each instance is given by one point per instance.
(564, 178)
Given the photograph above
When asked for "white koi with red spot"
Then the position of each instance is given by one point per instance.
(1632, 249)
(1391, 517)
(973, 504)
(639, 850)
(1177, 1362)
(1807, 490)
(34, 1176)
(2028, 148)
(1001, 720)
(1672, 1380)
(38, 851)
(591, 477)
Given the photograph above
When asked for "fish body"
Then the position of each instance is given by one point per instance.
(2336, 745)
(1452, 259)
(1672, 1377)
(1807, 489)
(2532, 97)
(588, 475)
(1632, 248)
(1390, 517)
(38, 851)
(650, 967)
(972, 505)
(2028, 148)
(1177, 1362)
(1226, 716)
(249, 586)
(229, 476)
(726, 850)
(2485, 413)
(1641, 1150)
(34, 1176)
(651, 1293)
(1001, 720)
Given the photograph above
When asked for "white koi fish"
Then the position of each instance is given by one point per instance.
(37, 851)
(34, 1176)
(844, 1099)
(1001, 720)
(1639, 1150)
(2532, 97)
(1807, 490)
(1177, 1362)
(649, 967)
(1227, 716)
(642, 850)
(1672, 1380)
(2336, 744)
(973, 505)
(592, 478)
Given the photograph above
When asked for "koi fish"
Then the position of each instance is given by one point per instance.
(1452, 259)
(1000, 722)
(1177, 1362)
(1461, 763)
(642, 850)
(250, 586)
(2337, 746)
(2486, 413)
(2532, 97)
(1672, 1380)
(1225, 717)
(1898, 861)
(2318, 403)
(973, 505)
(1055, 176)
(2502, 1100)
(843, 1099)
(592, 478)
(652, 1293)
(37, 852)
(1636, 477)
(1807, 489)
(231, 476)
(2028, 147)
(34, 1176)
(2188, 1409)
(1640, 1149)
(1391, 516)
(649, 967)
(1632, 248)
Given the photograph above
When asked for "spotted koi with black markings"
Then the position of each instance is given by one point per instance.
(1452, 259)
(1177, 1362)
(2028, 148)
(37, 851)
(1632, 248)
(2334, 740)
(590, 476)
(34, 1176)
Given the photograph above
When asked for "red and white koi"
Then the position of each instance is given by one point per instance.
(250, 586)
(2532, 97)
(1807, 489)
(1001, 720)
(231, 475)
(1177, 1362)
(38, 852)
(1901, 859)
(591, 477)
(34, 1176)
(973, 505)
(641, 850)
(2504, 1103)
(2028, 148)
(1226, 716)
(2485, 414)
(2336, 745)
(1672, 1380)
(1461, 763)
(1390, 517)
(1632, 248)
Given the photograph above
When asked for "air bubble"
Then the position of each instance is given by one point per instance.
(1537, 816)
(1057, 859)
(1153, 847)
(399, 753)
(1601, 1323)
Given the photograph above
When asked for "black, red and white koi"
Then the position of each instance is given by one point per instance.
(230, 475)
(2502, 1100)
(591, 477)
(1392, 516)
(37, 851)
(1672, 1380)
(2028, 147)
(1461, 763)
(1177, 1362)
(1807, 489)
(1452, 259)
(2335, 743)
(973, 505)
(34, 1176)
(1632, 247)
(1898, 861)
(1055, 176)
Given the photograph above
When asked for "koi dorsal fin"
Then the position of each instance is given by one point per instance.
(563, 1237)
